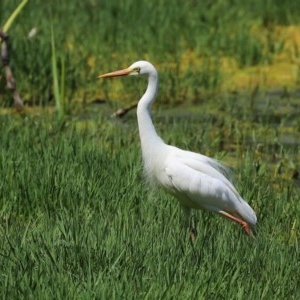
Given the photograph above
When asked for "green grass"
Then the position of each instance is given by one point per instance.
(78, 221)
(77, 218)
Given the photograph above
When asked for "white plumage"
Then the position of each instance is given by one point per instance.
(196, 180)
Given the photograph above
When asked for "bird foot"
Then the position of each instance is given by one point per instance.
(246, 227)
(244, 224)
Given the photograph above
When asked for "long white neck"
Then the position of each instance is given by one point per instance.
(148, 135)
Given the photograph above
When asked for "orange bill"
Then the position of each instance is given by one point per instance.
(123, 72)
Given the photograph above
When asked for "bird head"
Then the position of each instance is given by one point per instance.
(141, 67)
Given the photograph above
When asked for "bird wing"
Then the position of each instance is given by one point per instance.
(198, 184)
(226, 171)
(205, 165)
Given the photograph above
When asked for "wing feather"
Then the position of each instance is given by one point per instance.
(199, 188)
(198, 183)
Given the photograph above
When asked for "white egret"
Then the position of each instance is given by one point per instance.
(197, 181)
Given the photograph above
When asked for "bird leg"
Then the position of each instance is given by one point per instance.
(193, 232)
(189, 222)
(244, 224)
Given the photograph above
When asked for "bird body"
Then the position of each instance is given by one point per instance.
(197, 181)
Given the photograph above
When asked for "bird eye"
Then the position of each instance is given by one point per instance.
(137, 70)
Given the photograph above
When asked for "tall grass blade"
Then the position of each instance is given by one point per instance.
(56, 90)
(13, 16)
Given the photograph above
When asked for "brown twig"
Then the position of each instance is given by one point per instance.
(123, 111)
(10, 80)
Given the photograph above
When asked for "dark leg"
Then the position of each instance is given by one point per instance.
(189, 223)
